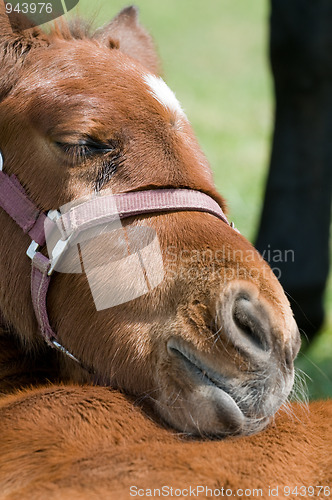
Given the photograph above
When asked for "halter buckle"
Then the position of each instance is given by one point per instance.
(58, 249)
(61, 245)
(34, 246)
(33, 249)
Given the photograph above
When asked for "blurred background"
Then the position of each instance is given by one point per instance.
(215, 57)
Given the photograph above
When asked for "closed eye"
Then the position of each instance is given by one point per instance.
(84, 149)
(109, 157)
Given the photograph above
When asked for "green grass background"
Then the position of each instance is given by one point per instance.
(214, 56)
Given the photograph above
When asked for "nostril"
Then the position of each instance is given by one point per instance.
(251, 322)
(289, 358)
(246, 329)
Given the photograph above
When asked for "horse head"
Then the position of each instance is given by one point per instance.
(212, 345)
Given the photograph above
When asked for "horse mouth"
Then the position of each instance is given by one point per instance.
(212, 386)
(197, 366)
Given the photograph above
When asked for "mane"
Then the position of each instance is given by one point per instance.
(74, 29)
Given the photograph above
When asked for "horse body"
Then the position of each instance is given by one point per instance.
(92, 443)
(210, 348)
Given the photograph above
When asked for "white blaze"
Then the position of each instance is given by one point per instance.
(161, 91)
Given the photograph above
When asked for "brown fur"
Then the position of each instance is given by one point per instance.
(92, 443)
(72, 441)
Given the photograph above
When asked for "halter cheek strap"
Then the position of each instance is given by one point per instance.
(101, 209)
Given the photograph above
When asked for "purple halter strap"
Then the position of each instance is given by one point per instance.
(101, 209)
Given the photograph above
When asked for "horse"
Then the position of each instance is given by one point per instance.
(211, 346)
(110, 402)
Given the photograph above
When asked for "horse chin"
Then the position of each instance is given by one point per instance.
(206, 411)
(200, 401)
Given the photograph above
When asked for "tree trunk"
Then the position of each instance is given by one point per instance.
(297, 207)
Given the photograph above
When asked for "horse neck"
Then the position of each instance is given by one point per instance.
(15, 267)
(24, 358)
(20, 364)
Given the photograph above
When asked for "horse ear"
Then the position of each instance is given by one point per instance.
(16, 41)
(126, 33)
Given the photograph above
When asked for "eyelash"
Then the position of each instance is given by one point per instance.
(110, 156)
(80, 152)
(106, 172)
